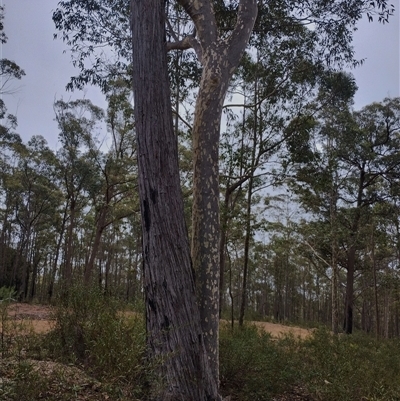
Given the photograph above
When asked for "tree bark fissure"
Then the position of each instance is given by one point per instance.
(172, 316)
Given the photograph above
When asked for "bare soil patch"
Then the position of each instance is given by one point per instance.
(278, 330)
(36, 318)
(29, 311)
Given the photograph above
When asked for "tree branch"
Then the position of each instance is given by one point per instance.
(188, 42)
(237, 42)
(180, 118)
(202, 15)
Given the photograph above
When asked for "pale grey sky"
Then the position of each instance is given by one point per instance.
(30, 30)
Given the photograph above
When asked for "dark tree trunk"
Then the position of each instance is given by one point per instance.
(172, 316)
(243, 301)
(69, 245)
(348, 324)
(54, 268)
(100, 225)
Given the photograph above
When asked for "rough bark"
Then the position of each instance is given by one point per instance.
(172, 316)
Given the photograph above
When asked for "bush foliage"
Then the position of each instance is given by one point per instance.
(356, 367)
(94, 336)
(93, 332)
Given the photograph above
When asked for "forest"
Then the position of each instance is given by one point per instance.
(307, 189)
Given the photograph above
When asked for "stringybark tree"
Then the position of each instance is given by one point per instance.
(172, 316)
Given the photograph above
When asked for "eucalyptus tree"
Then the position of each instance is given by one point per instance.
(278, 85)
(219, 44)
(114, 187)
(364, 145)
(11, 151)
(9, 71)
(77, 121)
(36, 198)
(387, 281)
(48, 199)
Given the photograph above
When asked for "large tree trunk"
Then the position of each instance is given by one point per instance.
(172, 316)
(219, 59)
(205, 212)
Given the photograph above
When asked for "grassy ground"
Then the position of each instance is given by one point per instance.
(85, 349)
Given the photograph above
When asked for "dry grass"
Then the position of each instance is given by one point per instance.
(31, 318)
(277, 330)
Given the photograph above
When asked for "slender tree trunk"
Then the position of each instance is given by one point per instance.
(172, 316)
(224, 227)
(101, 224)
(56, 256)
(33, 282)
(68, 251)
(377, 320)
(248, 211)
(334, 260)
(26, 263)
(348, 326)
(351, 259)
(246, 254)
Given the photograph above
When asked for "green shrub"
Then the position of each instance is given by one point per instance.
(350, 367)
(92, 332)
(24, 384)
(7, 294)
(8, 327)
(253, 366)
(324, 367)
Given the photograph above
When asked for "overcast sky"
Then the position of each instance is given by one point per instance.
(30, 30)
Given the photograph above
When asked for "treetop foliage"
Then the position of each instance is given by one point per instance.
(9, 71)
(98, 32)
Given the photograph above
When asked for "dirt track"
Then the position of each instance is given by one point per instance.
(31, 317)
(38, 318)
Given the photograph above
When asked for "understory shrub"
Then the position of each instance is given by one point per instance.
(25, 385)
(93, 332)
(106, 344)
(253, 366)
(323, 367)
(350, 367)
